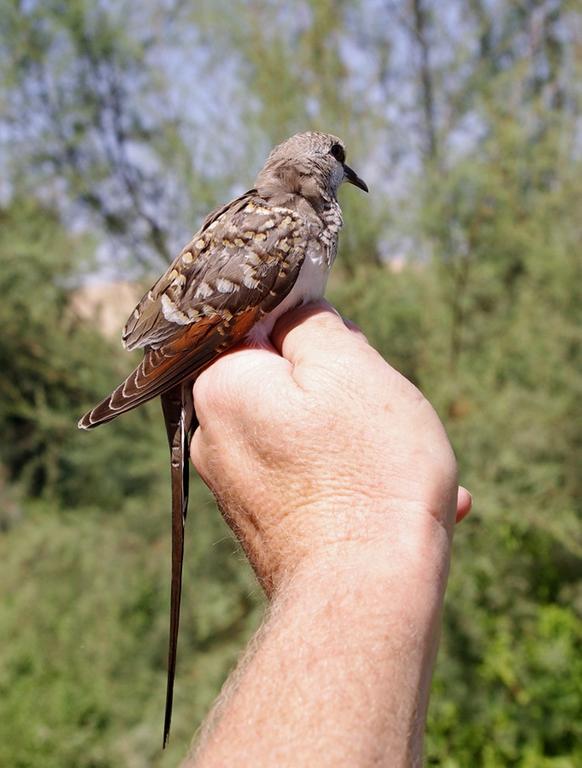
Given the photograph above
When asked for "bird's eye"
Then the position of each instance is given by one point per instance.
(337, 151)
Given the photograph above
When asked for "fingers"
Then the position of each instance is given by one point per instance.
(464, 504)
(309, 332)
(236, 377)
(355, 329)
(199, 453)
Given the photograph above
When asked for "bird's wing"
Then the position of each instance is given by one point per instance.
(240, 268)
(147, 325)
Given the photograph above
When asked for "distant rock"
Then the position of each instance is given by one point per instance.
(106, 305)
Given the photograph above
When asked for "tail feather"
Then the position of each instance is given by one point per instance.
(165, 367)
(128, 394)
(180, 420)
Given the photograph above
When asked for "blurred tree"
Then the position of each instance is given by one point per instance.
(462, 267)
(53, 366)
(422, 40)
(504, 364)
(90, 115)
(84, 618)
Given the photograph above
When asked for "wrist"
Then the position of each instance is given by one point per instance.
(329, 534)
(411, 559)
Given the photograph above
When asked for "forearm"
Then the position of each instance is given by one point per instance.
(339, 674)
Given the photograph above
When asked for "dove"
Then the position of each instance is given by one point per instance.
(252, 260)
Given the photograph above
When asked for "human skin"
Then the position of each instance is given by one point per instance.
(338, 478)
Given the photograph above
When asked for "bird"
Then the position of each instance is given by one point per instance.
(253, 259)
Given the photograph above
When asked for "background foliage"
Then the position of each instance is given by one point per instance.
(120, 125)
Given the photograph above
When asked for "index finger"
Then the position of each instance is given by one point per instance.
(311, 332)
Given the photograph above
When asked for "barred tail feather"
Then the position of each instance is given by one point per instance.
(163, 368)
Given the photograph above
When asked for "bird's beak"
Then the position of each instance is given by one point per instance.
(353, 178)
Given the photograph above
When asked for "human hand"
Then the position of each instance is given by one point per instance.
(317, 447)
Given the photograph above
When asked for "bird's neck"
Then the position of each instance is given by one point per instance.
(331, 215)
(310, 201)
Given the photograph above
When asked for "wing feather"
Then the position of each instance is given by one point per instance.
(249, 264)
(164, 368)
(147, 325)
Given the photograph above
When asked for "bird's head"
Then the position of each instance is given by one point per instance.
(310, 164)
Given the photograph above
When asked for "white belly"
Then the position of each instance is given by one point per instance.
(309, 286)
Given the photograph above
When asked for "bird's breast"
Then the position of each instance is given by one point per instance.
(309, 286)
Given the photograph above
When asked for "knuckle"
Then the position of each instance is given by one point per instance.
(202, 389)
(209, 392)
(327, 321)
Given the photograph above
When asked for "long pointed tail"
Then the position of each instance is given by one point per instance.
(180, 420)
